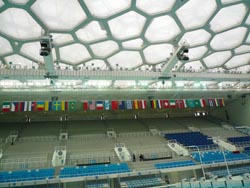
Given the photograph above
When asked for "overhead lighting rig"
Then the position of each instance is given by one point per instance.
(182, 54)
(46, 45)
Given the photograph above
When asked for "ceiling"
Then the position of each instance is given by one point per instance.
(126, 43)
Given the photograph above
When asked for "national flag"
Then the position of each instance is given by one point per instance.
(107, 105)
(114, 105)
(142, 104)
(40, 105)
(23, 106)
(6, 107)
(211, 102)
(122, 105)
(92, 105)
(158, 104)
(129, 105)
(135, 104)
(180, 103)
(48, 106)
(190, 103)
(203, 103)
(56, 105)
(221, 102)
(33, 106)
(14, 107)
(29, 106)
(216, 102)
(66, 105)
(172, 103)
(99, 105)
(165, 103)
(72, 105)
(85, 105)
(153, 104)
(197, 103)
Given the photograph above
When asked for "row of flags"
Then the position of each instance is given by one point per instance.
(186, 103)
(25, 106)
(28, 106)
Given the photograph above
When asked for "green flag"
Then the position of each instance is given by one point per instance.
(72, 106)
(197, 103)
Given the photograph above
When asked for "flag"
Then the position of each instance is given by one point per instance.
(40, 105)
(66, 105)
(165, 103)
(56, 105)
(85, 105)
(72, 105)
(142, 104)
(63, 105)
(129, 104)
(211, 102)
(158, 104)
(23, 106)
(121, 105)
(203, 103)
(29, 106)
(190, 103)
(114, 105)
(107, 105)
(216, 102)
(92, 105)
(135, 104)
(180, 103)
(6, 107)
(33, 106)
(153, 104)
(172, 103)
(221, 102)
(99, 105)
(14, 107)
(48, 106)
(197, 103)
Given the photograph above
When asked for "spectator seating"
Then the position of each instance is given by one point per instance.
(244, 130)
(174, 164)
(93, 170)
(239, 140)
(97, 185)
(27, 175)
(190, 138)
(233, 171)
(146, 182)
(247, 150)
(209, 157)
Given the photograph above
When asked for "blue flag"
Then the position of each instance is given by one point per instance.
(107, 105)
(129, 104)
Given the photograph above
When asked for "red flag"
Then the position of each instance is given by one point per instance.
(33, 106)
(142, 104)
(66, 105)
(114, 105)
(85, 105)
(180, 103)
(165, 104)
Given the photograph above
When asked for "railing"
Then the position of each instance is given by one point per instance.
(38, 139)
(134, 134)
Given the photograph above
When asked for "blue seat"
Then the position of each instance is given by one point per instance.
(174, 164)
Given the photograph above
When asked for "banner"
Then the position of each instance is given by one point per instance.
(85, 105)
(107, 105)
(99, 105)
(129, 105)
(6, 107)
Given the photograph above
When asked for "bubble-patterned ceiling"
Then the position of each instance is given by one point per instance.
(128, 35)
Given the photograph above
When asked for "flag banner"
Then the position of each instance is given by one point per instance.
(40, 105)
(221, 102)
(142, 104)
(72, 105)
(92, 105)
(158, 104)
(203, 103)
(211, 102)
(62, 105)
(99, 105)
(48, 106)
(56, 105)
(153, 104)
(165, 103)
(122, 105)
(114, 105)
(129, 105)
(14, 107)
(66, 105)
(33, 105)
(180, 103)
(107, 105)
(23, 106)
(216, 102)
(135, 104)
(190, 103)
(85, 105)
(6, 107)
(172, 103)
(197, 103)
